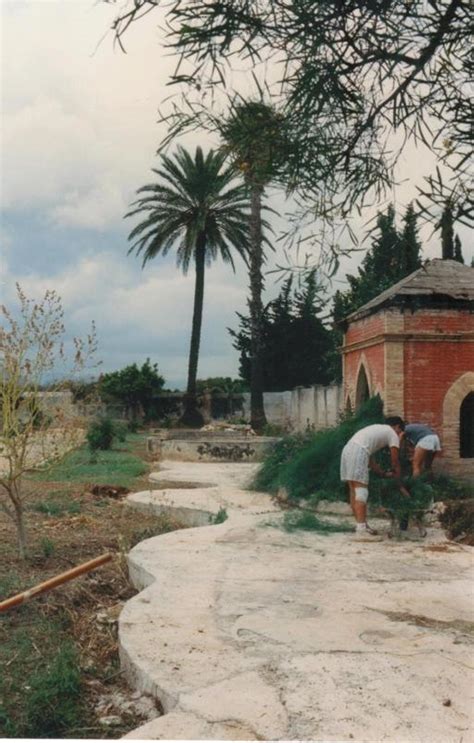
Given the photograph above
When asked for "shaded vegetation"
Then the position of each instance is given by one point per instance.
(306, 466)
(307, 521)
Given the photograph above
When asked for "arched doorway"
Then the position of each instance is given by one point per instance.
(466, 427)
(362, 388)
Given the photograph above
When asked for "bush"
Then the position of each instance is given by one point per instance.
(308, 464)
(100, 434)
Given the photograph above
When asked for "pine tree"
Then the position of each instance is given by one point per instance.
(447, 232)
(297, 348)
(458, 256)
(392, 256)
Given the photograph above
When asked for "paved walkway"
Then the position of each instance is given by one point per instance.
(246, 632)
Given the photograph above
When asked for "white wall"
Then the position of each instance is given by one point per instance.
(304, 407)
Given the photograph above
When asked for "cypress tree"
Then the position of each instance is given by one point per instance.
(458, 256)
(447, 232)
(409, 258)
(392, 256)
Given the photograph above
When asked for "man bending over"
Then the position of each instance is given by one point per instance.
(357, 459)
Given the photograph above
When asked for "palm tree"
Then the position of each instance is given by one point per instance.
(195, 208)
(255, 137)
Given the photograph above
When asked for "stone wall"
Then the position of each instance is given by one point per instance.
(302, 408)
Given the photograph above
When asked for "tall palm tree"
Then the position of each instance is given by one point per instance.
(255, 137)
(195, 208)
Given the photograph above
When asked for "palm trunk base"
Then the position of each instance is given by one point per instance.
(258, 420)
(191, 416)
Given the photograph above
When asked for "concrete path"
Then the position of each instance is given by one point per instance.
(246, 632)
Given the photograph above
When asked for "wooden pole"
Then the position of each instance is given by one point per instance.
(47, 585)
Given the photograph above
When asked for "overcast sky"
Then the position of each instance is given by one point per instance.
(78, 137)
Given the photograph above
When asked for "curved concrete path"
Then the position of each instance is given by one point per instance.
(246, 632)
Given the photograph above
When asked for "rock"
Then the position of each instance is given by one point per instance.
(110, 720)
(109, 615)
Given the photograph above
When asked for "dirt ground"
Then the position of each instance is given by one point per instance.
(67, 525)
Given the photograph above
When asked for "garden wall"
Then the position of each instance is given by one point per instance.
(302, 408)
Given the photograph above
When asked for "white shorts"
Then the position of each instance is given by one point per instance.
(430, 443)
(355, 463)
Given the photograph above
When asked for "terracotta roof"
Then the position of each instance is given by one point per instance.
(436, 280)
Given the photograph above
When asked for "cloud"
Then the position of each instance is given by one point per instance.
(146, 314)
(79, 131)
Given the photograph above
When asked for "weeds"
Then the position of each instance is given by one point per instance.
(219, 517)
(52, 704)
(308, 521)
(56, 507)
(40, 689)
(48, 547)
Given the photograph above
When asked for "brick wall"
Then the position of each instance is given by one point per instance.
(413, 359)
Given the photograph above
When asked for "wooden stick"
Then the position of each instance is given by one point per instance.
(85, 567)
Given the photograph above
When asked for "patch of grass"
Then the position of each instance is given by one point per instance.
(117, 467)
(219, 517)
(39, 688)
(308, 521)
(10, 584)
(57, 507)
(52, 704)
(48, 547)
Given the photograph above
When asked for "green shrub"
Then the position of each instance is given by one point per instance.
(132, 426)
(100, 434)
(219, 517)
(120, 430)
(307, 465)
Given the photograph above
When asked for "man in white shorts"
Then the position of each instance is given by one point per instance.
(426, 443)
(357, 459)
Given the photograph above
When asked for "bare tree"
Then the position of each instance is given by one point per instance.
(37, 427)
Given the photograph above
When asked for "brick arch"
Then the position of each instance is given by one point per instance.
(451, 411)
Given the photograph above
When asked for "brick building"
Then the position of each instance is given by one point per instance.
(414, 345)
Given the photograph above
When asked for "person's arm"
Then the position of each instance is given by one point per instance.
(395, 461)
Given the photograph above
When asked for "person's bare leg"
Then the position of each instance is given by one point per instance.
(359, 508)
(419, 459)
(351, 496)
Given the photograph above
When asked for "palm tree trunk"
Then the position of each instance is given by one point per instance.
(257, 412)
(191, 416)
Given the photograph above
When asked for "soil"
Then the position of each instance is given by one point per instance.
(80, 526)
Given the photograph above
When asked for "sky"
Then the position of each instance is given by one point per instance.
(78, 136)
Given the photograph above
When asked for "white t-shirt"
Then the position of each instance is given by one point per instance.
(373, 438)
